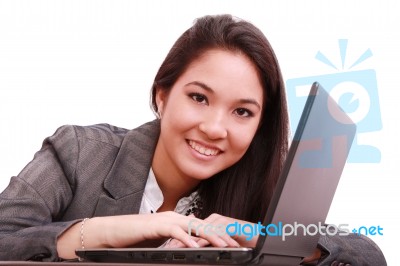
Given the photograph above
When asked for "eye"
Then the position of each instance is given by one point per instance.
(243, 112)
(198, 97)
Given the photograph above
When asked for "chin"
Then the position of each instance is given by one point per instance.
(201, 174)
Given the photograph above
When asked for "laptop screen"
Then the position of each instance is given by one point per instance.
(309, 179)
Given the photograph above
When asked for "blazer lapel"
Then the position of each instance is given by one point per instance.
(127, 179)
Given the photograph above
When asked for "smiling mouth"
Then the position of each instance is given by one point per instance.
(203, 149)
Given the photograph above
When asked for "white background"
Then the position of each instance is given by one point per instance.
(86, 62)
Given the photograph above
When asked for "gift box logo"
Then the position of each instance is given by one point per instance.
(356, 92)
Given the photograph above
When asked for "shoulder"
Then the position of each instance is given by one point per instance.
(103, 133)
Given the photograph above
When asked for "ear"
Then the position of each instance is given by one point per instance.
(161, 97)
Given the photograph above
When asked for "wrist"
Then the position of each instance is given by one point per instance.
(102, 229)
(122, 231)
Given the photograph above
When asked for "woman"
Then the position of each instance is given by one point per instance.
(222, 131)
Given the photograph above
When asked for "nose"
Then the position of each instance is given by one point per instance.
(213, 126)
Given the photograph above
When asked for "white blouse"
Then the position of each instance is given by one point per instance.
(153, 198)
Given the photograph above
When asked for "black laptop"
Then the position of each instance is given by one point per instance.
(302, 198)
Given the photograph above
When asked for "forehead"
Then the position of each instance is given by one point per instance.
(227, 71)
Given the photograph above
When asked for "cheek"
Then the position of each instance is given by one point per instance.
(180, 116)
(180, 111)
(241, 139)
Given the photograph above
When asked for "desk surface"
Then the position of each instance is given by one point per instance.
(33, 263)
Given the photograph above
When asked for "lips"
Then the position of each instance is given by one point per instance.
(204, 150)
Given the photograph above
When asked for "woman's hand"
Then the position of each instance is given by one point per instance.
(131, 230)
(217, 224)
(313, 258)
(180, 227)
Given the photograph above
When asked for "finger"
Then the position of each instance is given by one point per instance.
(203, 243)
(171, 225)
(174, 243)
(179, 234)
(213, 217)
(202, 229)
(193, 226)
(165, 243)
(220, 223)
(315, 256)
(230, 241)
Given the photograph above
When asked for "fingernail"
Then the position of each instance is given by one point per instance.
(194, 243)
(236, 244)
(222, 243)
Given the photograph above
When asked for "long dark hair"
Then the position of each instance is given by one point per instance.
(244, 190)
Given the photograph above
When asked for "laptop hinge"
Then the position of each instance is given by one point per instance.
(278, 260)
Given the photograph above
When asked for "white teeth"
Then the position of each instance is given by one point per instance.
(203, 150)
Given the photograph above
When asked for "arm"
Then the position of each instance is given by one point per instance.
(128, 230)
(352, 249)
(36, 197)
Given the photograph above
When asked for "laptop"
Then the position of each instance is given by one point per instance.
(301, 199)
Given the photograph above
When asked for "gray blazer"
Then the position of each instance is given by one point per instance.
(79, 172)
(102, 170)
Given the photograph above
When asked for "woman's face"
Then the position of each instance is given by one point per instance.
(210, 115)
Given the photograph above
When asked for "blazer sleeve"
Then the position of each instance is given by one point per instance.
(37, 197)
(349, 249)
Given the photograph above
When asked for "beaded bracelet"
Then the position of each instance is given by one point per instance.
(82, 234)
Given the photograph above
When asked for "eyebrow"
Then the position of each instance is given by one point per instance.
(202, 85)
(208, 88)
